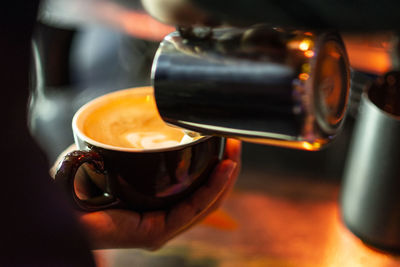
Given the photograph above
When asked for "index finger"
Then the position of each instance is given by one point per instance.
(233, 149)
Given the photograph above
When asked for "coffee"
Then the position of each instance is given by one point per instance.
(129, 119)
(130, 159)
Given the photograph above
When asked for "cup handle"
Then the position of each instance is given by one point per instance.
(65, 178)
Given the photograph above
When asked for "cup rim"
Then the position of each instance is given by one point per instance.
(78, 133)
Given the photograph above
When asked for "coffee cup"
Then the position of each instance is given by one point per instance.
(128, 157)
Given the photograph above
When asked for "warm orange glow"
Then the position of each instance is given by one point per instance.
(344, 249)
(282, 221)
(305, 45)
(371, 61)
(309, 146)
(334, 54)
(220, 220)
(309, 53)
(303, 145)
(304, 76)
(293, 44)
(369, 53)
(302, 44)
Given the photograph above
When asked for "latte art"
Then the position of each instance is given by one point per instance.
(129, 119)
(150, 140)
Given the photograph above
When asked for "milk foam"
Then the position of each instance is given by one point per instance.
(153, 140)
(131, 120)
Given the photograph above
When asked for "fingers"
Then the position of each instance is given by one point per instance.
(151, 230)
(233, 149)
(228, 188)
(221, 179)
(207, 198)
(112, 228)
(233, 153)
(184, 214)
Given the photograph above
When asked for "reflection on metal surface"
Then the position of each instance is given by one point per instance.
(254, 83)
(304, 76)
(309, 53)
(305, 44)
(287, 143)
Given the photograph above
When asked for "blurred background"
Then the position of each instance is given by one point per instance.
(284, 209)
(83, 49)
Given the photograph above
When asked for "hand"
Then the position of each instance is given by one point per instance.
(117, 228)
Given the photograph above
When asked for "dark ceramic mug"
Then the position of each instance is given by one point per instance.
(138, 179)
